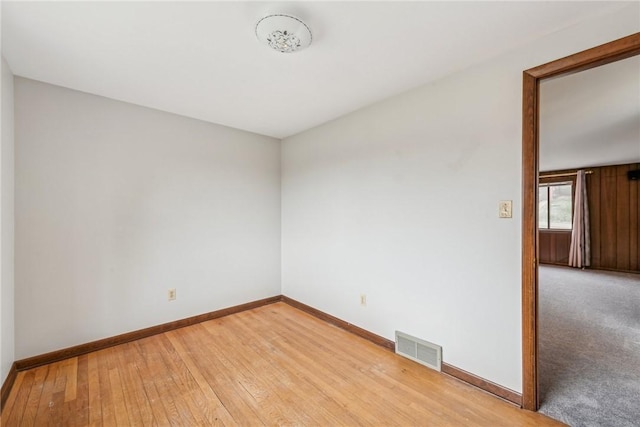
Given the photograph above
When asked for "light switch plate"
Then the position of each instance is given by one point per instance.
(504, 209)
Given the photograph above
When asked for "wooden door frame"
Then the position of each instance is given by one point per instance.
(600, 55)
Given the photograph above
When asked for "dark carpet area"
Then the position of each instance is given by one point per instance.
(589, 332)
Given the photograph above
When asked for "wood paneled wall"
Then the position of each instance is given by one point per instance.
(554, 246)
(614, 205)
(615, 213)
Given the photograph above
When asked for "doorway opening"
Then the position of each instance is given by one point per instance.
(614, 51)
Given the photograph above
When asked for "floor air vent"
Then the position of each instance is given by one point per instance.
(418, 350)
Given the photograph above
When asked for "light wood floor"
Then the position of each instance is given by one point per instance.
(274, 365)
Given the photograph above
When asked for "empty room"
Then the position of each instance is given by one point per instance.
(303, 213)
(589, 278)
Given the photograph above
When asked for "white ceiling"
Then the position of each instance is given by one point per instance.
(202, 60)
(591, 118)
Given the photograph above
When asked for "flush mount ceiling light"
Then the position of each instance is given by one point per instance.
(283, 33)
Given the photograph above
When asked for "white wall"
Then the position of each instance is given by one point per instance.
(7, 343)
(116, 203)
(399, 201)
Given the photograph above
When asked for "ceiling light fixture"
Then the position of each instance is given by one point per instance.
(283, 33)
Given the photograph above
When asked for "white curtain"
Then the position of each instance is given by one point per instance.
(580, 250)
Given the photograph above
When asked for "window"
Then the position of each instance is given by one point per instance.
(555, 207)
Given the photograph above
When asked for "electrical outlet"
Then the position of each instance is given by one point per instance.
(504, 209)
(363, 300)
(171, 294)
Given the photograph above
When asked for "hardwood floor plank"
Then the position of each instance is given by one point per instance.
(183, 382)
(14, 406)
(210, 405)
(127, 412)
(273, 365)
(72, 380)
(135, 396)
(93, 388)
(257, 379)
(59, 412)
(106, 392)
(156, 370)
(32, 404)
(146, 377)
(309, 393)
(11, 398)
(221, 376)
(120, 407)
(46, 404)
(80, 406)
(332, 384)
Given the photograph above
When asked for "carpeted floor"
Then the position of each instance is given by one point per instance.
(589, 332)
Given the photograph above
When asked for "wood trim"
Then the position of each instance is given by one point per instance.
(7, 385)
(551, 177)
(376, 339)
(600, 55)
(530, 242)
(486, 385)
(616, 50)
(594, 269)
(555, 264)
(450, 370)
(614, 270)
(55, 356)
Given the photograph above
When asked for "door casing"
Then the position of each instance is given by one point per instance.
(604, 54)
